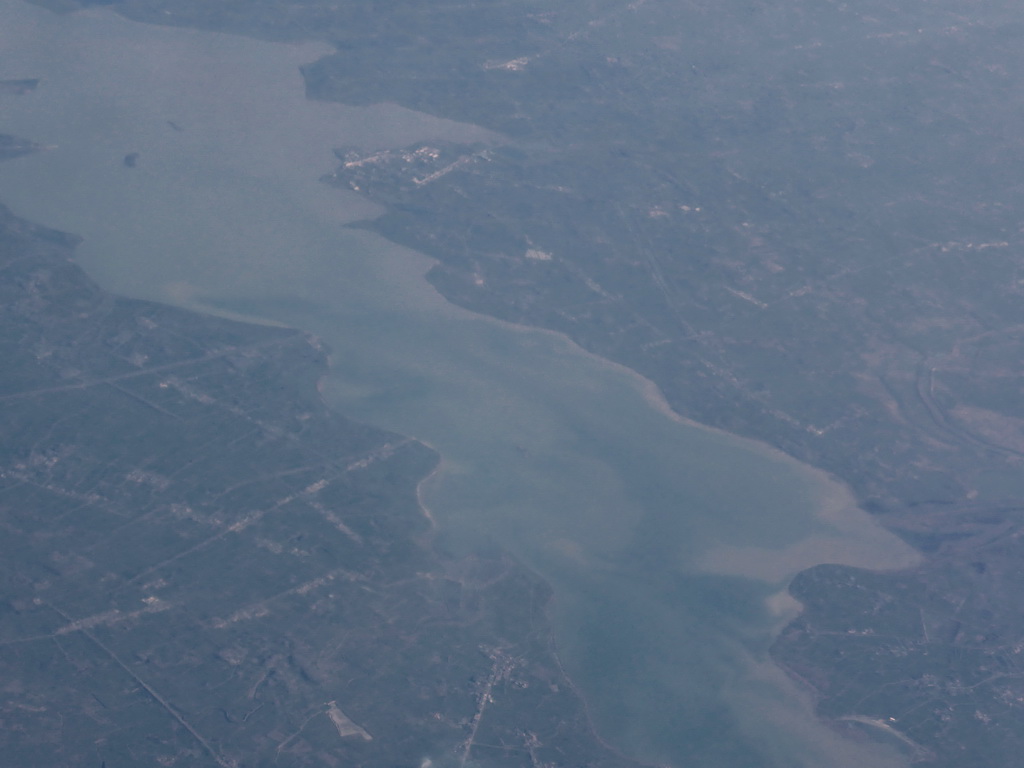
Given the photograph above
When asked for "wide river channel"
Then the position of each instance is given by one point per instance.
(668, 545)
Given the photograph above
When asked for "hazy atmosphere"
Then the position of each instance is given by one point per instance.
(650, 404)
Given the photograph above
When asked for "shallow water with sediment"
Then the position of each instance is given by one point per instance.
(668, 545)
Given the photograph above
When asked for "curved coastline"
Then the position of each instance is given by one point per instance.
(222, 296)
(878, 550)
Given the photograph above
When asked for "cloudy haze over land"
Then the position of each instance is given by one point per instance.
(510, 384)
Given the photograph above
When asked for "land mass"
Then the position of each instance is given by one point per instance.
(13, 146)
(18, 87)
(198, 557)
(800, 221)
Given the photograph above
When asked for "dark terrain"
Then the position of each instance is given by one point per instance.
(800, 219)
(18, 87)
(12, 146)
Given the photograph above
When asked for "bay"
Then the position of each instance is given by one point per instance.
(668, 545)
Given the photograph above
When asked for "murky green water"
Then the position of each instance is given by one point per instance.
(667, 544)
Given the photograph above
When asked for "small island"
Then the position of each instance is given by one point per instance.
(19, 87)
(15, 146)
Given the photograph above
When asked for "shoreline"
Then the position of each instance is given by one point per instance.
(188, 297)
(424, 508)
(780, 604)
(836, 505)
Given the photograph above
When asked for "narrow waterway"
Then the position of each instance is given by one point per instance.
(668, 545)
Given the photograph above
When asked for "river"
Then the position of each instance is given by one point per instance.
(668, 545)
